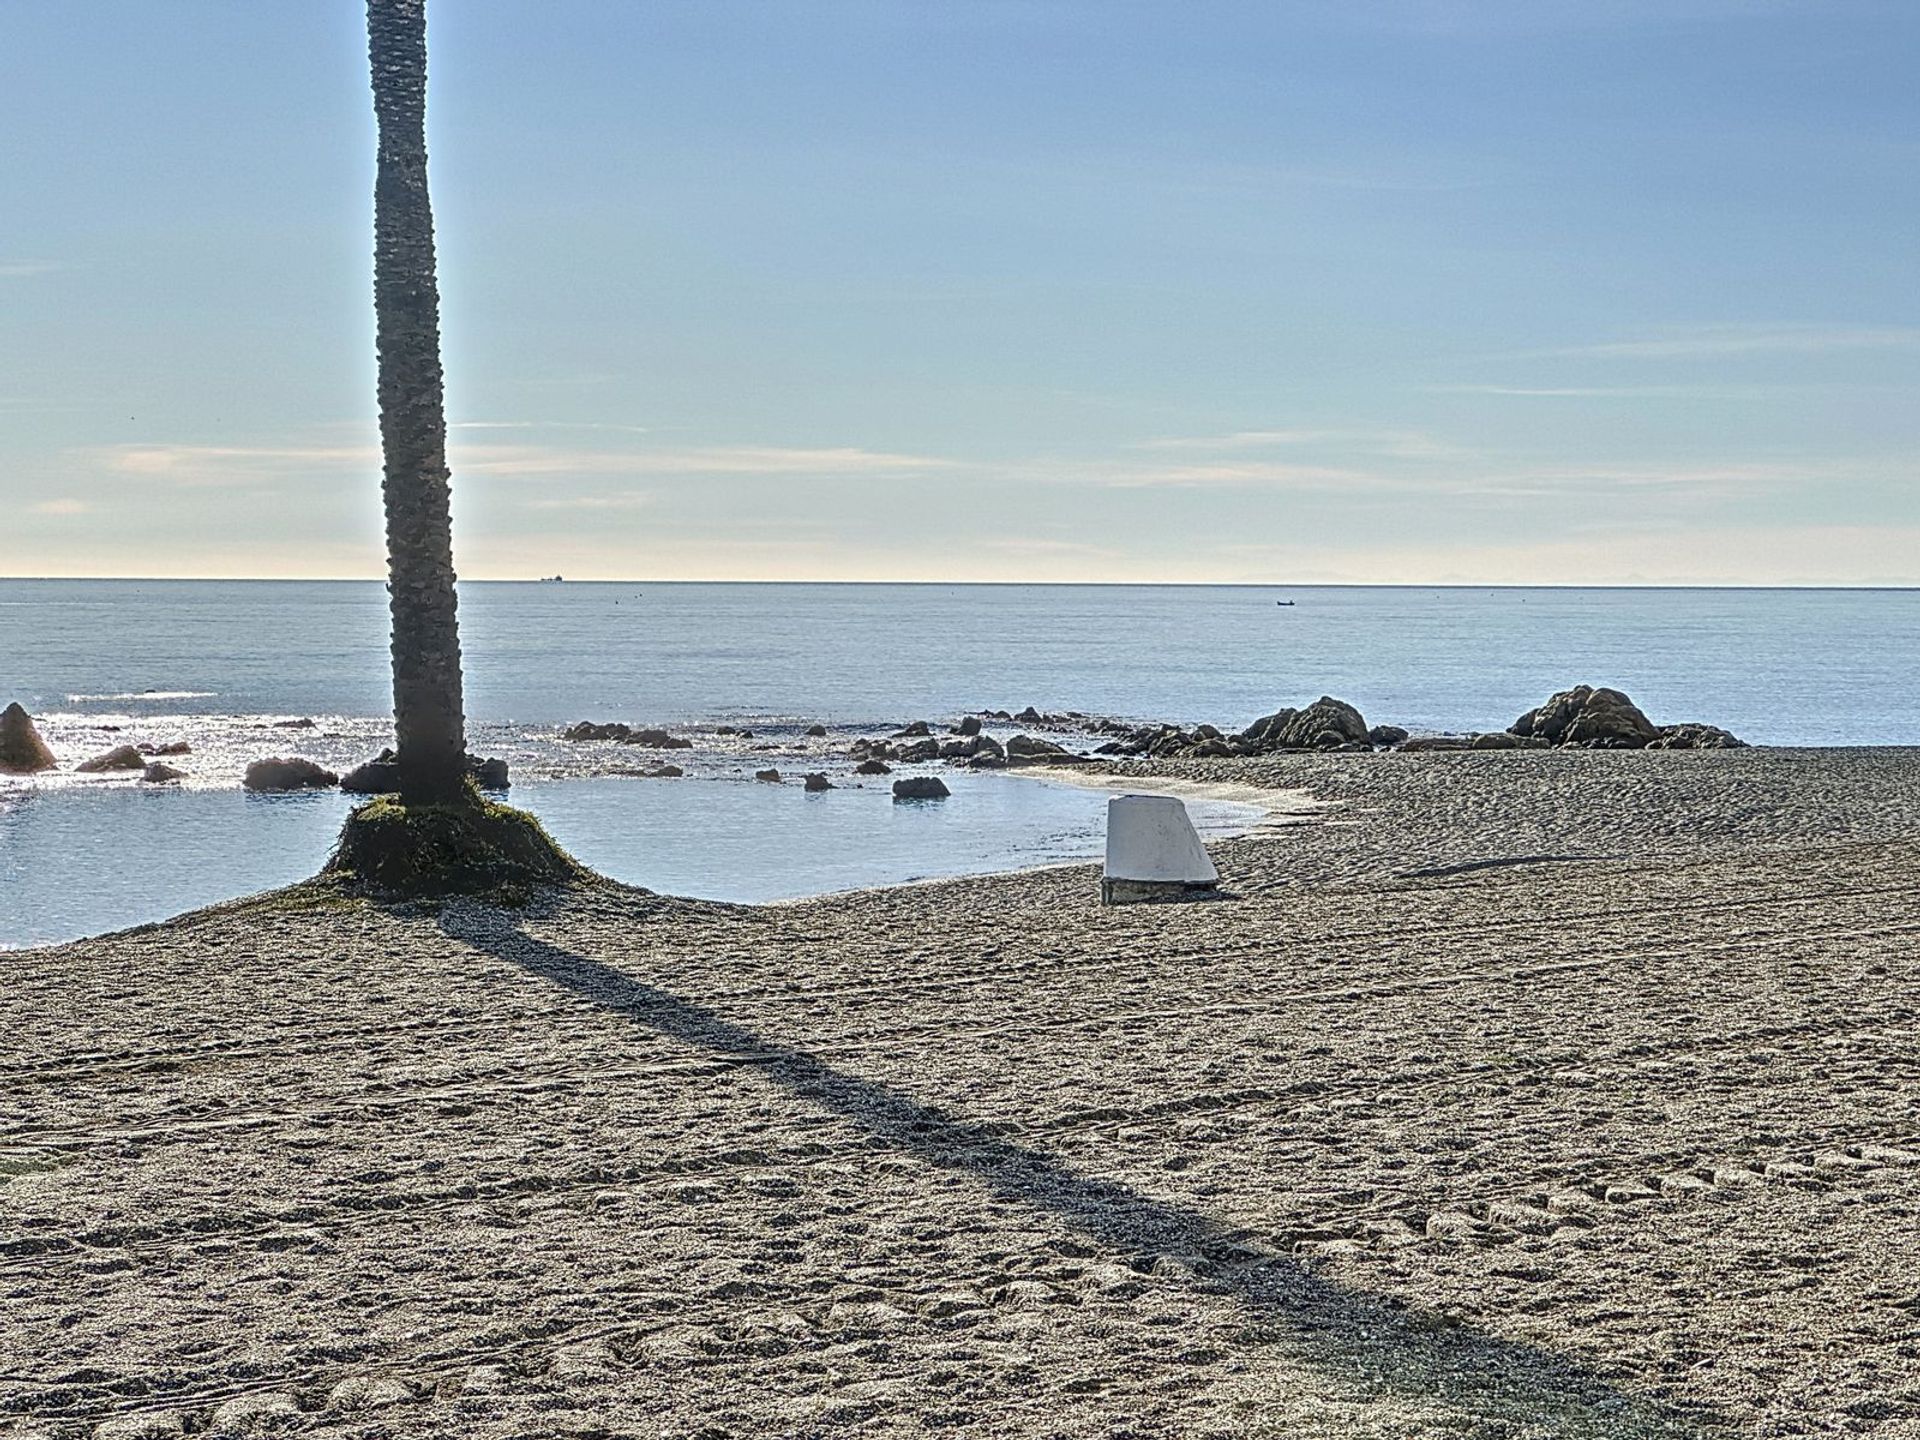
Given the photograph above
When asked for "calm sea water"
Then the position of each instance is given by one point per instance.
(220, 663)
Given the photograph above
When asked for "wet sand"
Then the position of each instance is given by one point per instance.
(1508, 1095)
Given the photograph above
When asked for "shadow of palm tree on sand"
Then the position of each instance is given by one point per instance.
(1361, 1342)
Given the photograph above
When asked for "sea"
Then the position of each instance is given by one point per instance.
(238, 669)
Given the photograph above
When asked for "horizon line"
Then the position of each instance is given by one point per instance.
(1864, 586)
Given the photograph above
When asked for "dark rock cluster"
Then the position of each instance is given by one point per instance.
(1326, 724)
(917, 745)
(1603, 719)
(648, 738)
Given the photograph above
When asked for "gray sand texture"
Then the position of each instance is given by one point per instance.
(1506, 1095)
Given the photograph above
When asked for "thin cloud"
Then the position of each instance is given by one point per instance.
(1584, 392)
(220, 465)
(549, 425)
(1249, 475)
(21, 269)
(1720, 341)
(592, 502)
(713, 460)
(65, 506)
(232, 464)
(1044, 548)
(1404, 444)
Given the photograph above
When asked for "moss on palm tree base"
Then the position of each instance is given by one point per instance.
(468, 847)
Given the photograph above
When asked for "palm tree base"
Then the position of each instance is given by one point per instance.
(471, 846)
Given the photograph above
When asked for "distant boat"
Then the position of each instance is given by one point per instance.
(551, 579)
(1283, 602)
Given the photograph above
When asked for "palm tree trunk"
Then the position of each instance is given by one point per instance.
(430, 750)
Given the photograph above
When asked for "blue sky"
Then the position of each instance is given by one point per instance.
(1502, 291)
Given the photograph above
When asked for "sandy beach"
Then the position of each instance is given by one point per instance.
(1505, 1094)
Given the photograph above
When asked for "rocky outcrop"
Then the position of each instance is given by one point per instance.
(1603, 719)
(1027, 750)
(291, 772)
(813, 784)
(172, 747)
(596, 730)
(816, 732)
(921, 787)
(381, 775)
(916, 729)
(1695, 737)
(1386, 735)
(159, 774)
(650, 772)
(969, 725)
(1326, 724)
(873, 767)
(767, 777)
(967, 747)
(121, 757)
(649, 738)
(1587, 715)
(22, 751)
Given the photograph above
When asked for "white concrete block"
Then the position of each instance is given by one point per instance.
(1153, 851)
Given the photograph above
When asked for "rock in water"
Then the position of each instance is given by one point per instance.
(767, 777)
(22, 751)
(121, 757)
(381, 776)
(921, 787)
(595, 730)
(818, 782)
(158, 774)
(489, 774)
(288, 773)
(1029, 750)
(873, 767)
(817, 731)
(969, 725)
